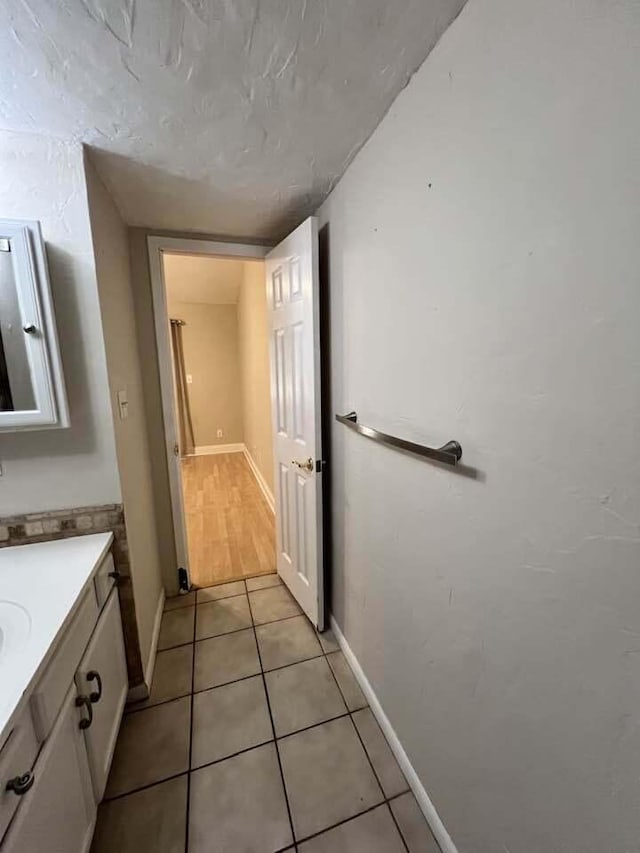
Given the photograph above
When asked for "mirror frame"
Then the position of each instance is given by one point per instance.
(36, 309)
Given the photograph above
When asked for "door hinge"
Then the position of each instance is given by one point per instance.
(176, 449)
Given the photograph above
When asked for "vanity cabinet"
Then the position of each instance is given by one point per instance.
(60, 750)
(57, 814)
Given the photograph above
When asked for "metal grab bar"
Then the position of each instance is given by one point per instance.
(449, 454)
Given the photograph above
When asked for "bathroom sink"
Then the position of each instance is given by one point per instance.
(15, 627)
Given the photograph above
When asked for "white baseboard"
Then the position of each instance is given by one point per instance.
(210, 449)
(428, 809)
(141, 691)
(266, 491)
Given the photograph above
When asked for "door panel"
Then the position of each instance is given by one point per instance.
(279, 379)
(104, 656)
(292, 290)
(57, 814)
(297, 382)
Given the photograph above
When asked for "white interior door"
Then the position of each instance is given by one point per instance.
(293, 300)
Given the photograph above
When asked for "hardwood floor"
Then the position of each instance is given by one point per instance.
(230, 528)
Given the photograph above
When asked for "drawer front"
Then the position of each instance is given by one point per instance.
(50, 691)
(102, 582)
(17, 757)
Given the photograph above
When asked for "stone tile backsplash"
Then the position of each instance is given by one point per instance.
(64, 523)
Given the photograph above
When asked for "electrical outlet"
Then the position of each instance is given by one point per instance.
(219, 433)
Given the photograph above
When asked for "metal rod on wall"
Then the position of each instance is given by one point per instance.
(449, 454)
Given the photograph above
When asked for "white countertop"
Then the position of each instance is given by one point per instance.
(46, 580)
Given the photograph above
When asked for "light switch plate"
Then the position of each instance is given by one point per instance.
(123, 405)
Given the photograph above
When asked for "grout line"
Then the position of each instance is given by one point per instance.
(246, 749)
(375, 773)
(385, 801)
(179, 646)
(294, 663)
(312, 726)
(235, 630)
(143, 787)
(164, 779)
(245, 578)
(193, 675)
(227, 683)
(166, 609)
(366, 751)
(282, 619)
(397, 825)
(341, 822)
(252, 675)
(231, 755)
(162, 702)
(222, 598)
(273, 729)
(197, 603)
(132, 709)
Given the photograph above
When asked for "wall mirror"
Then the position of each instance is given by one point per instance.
(32, 394)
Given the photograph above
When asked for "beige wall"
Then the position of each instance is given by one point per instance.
(146, 334)
(43, 179)
(111, 251)
(483, 270)
(254, 369)
(210, 340)
(202, 278)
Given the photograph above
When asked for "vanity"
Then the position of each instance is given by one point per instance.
(63, 686)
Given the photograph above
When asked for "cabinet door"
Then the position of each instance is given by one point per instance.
(57, 814)
(102, 675)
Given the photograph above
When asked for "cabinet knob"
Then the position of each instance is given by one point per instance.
(30, 329)
(20, 784)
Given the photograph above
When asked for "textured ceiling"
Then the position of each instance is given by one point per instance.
(193, 278)
(222, 116)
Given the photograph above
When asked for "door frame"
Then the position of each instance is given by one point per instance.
(156, 247)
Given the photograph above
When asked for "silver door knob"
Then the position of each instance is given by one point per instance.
(307, 465)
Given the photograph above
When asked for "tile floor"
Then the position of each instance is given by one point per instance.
(256, 737)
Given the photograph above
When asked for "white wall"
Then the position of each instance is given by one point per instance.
(484, 254)
(43, 179)
(111, 247)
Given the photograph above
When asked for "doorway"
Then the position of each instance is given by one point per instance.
(217, 312)
(289, 282)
